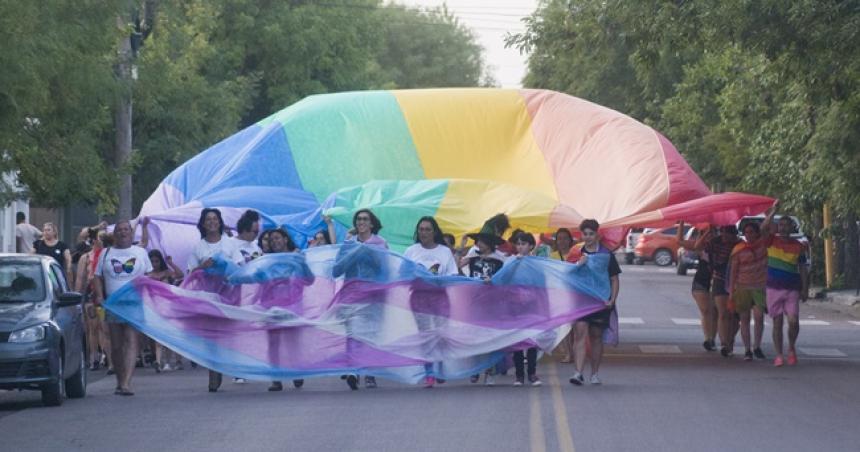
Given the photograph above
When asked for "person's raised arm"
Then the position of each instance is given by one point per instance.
(332, 233)
(768, 219)
(144, 232)
(679, 235)
(70, 274)
(177, 272)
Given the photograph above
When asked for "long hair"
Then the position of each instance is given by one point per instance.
(157, 253)
(291, 246)
(202, 220)
(375, 224)
(437, 231)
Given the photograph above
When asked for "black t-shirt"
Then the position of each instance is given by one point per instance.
(614, 269)
(57, 251)
(485, 267)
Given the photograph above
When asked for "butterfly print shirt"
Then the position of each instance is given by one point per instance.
(119, 266)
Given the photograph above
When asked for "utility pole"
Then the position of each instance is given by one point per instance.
(126, 73)
(828, 248)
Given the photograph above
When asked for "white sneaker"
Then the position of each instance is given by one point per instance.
(594, 380)
(489, 380)
(577, 379)
(167, 368)
(239, 381)
(518, 382)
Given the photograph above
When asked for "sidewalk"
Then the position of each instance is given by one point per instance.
(846, 297)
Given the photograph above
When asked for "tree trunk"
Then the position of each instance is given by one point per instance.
(122, 121)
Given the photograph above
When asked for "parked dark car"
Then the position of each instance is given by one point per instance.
(42, 341)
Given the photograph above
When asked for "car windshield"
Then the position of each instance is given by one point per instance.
(21, 282)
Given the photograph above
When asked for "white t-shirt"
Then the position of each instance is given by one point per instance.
(439, 257)
(118, 266)
(249, 250)
(204, 250)
(26, 234)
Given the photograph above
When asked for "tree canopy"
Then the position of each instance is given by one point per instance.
(207, 69)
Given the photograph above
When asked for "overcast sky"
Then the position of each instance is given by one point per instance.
(491, 20)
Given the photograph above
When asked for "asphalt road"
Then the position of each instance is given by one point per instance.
(661, 392)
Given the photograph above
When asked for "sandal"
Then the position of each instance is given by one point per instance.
(124, 392)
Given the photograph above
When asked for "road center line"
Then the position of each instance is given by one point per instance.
(562, 428)
(537, 439)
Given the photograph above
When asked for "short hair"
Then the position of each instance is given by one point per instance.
(375, 224)
(202, 220)
(589, 223)
(121, 221)
(483, 238)
(437, 231)
(524, 236)
(291, 246)
(157, 253)
(513, 238)
(19, 217)
(755, 226)
(247, 220)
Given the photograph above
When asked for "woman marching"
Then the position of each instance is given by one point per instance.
(702, 286)
(431, 252)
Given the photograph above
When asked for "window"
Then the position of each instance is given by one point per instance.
(21, 282)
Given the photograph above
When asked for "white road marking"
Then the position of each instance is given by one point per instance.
(630, 321)
(686, 321)
(813, 323)
(817, 351)
(661, 349)
(854, 322)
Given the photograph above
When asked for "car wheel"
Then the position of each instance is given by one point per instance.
(76, 385)
(54, 392)
(628, 258)
(682, 269)
(663, 257)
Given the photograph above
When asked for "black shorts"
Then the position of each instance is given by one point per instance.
(718, 287)
(599, 318)
(702, 280)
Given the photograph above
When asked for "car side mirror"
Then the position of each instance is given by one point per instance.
(69, 299)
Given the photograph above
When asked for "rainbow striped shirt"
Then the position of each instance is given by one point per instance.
(784, 255)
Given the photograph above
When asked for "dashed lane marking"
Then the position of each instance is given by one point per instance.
(818, 351)
(806, 322)
(686, 321)
(660, 349)
(631, 320)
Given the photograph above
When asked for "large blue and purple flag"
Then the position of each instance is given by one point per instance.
(350, 308)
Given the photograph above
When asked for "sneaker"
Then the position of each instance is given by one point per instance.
(369, 382)
(534, 380)
(748, 356)
(298, 383)
(577, 379)
(276, 386)
(759, 354)
(475, 378)
(725, 352)
(429, 382)
(157, 366)
(167, 368)
(489, 380)
(595, 380)
(777, 362)
(352, 382)
(441, 381)
(792, 358)
(518, 382)
(708, 345)
(239, 381)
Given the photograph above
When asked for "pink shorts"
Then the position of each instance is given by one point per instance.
(783, 301)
